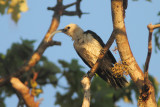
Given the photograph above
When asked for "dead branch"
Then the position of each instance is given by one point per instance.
(147, 88)
(24, 92)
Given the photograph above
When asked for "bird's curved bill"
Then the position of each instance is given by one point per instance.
(51, 36)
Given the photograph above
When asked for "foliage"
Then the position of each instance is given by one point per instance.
(13, 7)
(102, 93)
(15, 57)
(45, 73)
(73, 74)
(158, 103)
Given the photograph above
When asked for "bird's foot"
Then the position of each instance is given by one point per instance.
(102, 51)
(90, 74)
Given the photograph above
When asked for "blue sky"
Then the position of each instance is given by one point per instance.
(35, 22)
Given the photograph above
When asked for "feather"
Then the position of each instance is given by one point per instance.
(104, 71)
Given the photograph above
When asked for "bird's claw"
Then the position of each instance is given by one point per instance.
(90, 74)
(102, 51)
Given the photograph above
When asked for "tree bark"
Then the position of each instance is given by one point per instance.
(24, 92)
(135, 72)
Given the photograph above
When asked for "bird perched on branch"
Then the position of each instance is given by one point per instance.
(88, 46)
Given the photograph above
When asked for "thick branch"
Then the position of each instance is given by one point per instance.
(123, 44)
(126, 55)
(24, 92)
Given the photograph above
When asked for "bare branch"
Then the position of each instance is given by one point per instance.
(69, 5)
(147, 93)
(86, 83)
(123, 44)
(147, 88)
(150, 28)
(72, 13)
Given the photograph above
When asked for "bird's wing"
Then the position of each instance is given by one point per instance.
(83, 59)
(111, 57)
(95, 36)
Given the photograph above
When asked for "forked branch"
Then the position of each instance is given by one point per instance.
(147, 97)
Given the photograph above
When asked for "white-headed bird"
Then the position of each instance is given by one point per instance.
(88, 46)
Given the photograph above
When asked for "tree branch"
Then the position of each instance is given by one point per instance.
(24, 92)
(73, 13)
(87, 97)
(38, 53)
(58, 9)
(123, 44)
(126, 55)
(147, 88)
(69, 5)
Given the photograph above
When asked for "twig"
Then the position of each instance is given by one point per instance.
(61, 9)
(150, 28)
(69, 5)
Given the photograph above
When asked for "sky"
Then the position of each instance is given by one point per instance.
(34, 24)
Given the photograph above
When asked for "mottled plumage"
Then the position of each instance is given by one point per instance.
(88, 46)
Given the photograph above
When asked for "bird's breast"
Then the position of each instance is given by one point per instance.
(89, 49)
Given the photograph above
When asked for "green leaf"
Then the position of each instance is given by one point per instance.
(16, 7)
(158, 14)
(3, 6)
(2, 104)
(158, 103)
(63, 63)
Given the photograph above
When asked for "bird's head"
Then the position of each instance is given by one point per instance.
(72, 30)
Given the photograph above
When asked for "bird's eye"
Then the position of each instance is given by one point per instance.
(68, 27)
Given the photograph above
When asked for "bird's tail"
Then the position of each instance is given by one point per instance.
(107, 76)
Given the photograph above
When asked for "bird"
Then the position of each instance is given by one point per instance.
(88, 46)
